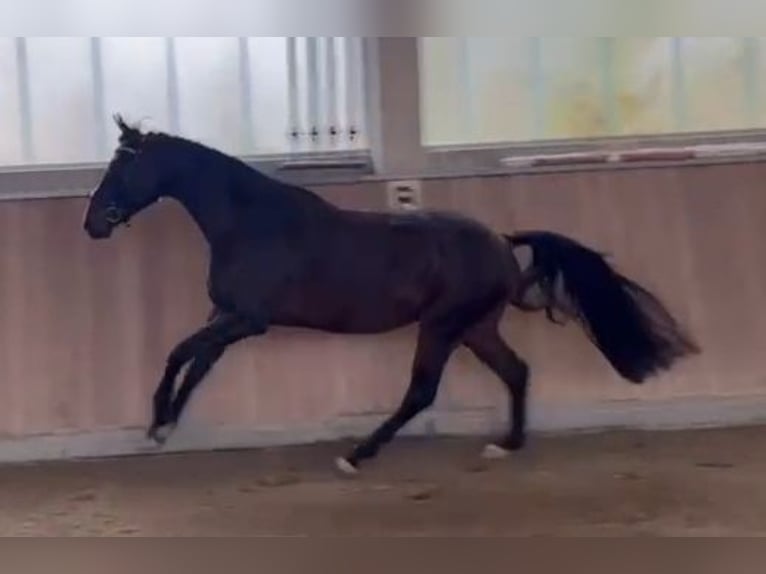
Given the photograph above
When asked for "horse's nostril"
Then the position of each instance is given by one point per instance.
(113, 215)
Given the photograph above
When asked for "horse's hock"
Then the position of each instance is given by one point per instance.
(86, 327)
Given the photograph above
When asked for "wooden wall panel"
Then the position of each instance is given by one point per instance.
(86, 325)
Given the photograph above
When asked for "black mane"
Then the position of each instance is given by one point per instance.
(249, 179)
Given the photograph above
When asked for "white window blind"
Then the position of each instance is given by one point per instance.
(248, 96)
(516, 89)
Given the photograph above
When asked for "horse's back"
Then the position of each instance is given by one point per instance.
(369, 272)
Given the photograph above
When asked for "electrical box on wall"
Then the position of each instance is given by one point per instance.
(404, 194)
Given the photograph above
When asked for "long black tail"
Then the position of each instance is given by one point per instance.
(629, 325)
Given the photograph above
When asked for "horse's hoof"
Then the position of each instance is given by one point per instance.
(494, 452)
(345, 467)
(160, 434)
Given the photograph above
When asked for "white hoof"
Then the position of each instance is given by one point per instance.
(346, 467)
(162, 434)
(494, 452)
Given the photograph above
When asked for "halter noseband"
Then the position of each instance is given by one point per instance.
(127, 149)
(115, 214)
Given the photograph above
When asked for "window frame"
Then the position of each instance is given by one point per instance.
(392, 84)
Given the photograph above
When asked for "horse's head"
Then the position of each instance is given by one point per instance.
(133, 180)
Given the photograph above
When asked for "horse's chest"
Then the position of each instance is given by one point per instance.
(251, 277)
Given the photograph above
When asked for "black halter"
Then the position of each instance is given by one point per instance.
(116, 214)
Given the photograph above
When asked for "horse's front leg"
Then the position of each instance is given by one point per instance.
(203, 349)
(181, 354)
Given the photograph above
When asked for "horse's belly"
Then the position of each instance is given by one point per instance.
(351, 307)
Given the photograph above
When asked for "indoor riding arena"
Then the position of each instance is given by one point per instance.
(620, 144)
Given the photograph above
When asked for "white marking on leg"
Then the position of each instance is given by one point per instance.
(494, 452)
(346, 467)
(162, 434)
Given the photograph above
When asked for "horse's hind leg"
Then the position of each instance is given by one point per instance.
(488, 346)
(433, 350)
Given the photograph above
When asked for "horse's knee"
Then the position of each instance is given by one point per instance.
(423, 394)
(520, 375)
(426, 399)
(181, 355)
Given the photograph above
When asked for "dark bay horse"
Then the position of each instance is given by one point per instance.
(280, 255)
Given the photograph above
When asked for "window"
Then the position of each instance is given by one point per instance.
(248, 96)
(482, 91)
(441, 105)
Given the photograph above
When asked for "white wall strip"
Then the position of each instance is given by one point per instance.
(25, 112)
(171, 65)
(99, 110)
(294, 124)
(246, 96)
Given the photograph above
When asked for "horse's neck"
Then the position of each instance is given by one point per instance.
(219, 208)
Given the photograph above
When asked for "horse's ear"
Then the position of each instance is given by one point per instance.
(121, 123)
(128, 134)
